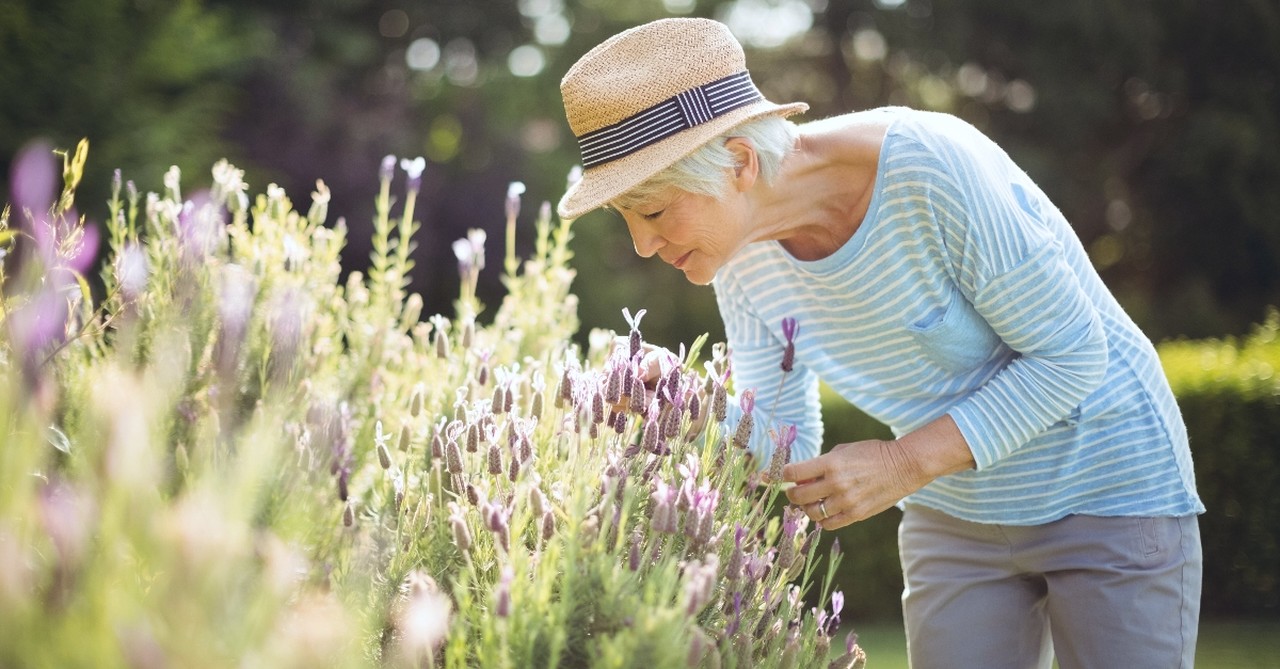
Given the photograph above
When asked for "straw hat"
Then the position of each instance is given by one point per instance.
(649, 96)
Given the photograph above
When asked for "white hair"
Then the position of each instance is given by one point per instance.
(706, 170)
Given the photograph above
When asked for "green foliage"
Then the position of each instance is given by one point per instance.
(1229, 393)
(144, 78)
(237, 459)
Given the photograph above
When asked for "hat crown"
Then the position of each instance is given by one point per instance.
(643, 66)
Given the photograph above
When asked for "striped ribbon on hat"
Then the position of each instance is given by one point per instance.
(685, 110)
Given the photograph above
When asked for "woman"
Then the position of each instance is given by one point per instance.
(1041, 462)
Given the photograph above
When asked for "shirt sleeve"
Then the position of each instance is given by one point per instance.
(781, 399)
(998, 231)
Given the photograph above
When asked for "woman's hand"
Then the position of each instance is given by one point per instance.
(857, 480)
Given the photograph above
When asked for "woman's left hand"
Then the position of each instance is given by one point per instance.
(857, 480)
(853, 482)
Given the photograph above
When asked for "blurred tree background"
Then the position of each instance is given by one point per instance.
(1154, 126)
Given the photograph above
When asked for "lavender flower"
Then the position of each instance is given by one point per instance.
(461, 535)
(663, 512)
(453, 457)
(442, 344)
(790, 329)
(495, 460)
(742, 436)
(837, 605)
(719, 403)
(783, 439)
(548, 525)
(514, 190)
(388, 170)
(613, 386)
(414, 169)
(737, 557)
(502, 593)
(635, 341)
(470, 252)
(132, 271)
(380, 444)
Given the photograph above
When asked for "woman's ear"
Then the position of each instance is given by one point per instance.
(746, 162)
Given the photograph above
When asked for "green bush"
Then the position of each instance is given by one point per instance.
(1229, 393)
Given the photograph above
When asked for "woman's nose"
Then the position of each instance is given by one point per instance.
(646, 241)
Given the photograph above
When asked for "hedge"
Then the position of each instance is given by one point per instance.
(1229, 393)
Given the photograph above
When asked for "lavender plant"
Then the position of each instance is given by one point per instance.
(235, 458)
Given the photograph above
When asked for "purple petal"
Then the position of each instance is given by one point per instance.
(33, 178)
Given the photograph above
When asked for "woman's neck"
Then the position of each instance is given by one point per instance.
(821, 196)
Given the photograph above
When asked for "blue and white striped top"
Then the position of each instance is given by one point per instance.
(965, 291)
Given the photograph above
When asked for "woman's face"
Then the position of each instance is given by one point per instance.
(696, 234)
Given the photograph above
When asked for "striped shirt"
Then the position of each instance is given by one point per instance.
(966, 292)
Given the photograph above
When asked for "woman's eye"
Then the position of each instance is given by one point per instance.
(650, 217)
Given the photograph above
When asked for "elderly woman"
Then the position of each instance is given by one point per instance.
(1040, 460)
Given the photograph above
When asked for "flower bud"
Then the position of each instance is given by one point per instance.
(453, 457)
(535, 405)
(495, 460)
(468, 333)
(742, 436)
(442, 344)
(498, 403)
(548, 525)
(461, 535)
(720, 403)
(415, 403)
(473, 438)
(613, 387)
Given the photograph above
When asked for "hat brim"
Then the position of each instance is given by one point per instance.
(601, 184)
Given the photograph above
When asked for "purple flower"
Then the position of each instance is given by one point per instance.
(388, 170)
(414, 169)
(514, 190)
(784, 438)
(34, 179)
(747, 400)
(663, 510)
(470, 252)
(634, 341)
(790, 328)
(502, 596)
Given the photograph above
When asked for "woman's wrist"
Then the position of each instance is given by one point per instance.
(934, 450)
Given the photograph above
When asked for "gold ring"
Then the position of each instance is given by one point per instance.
(822, 506)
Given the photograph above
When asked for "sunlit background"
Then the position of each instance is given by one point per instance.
(1154, 127)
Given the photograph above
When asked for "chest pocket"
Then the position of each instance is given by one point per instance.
(954, 336)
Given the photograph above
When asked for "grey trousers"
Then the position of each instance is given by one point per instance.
(1096, 592)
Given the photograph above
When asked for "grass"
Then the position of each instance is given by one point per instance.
(1223, 645)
